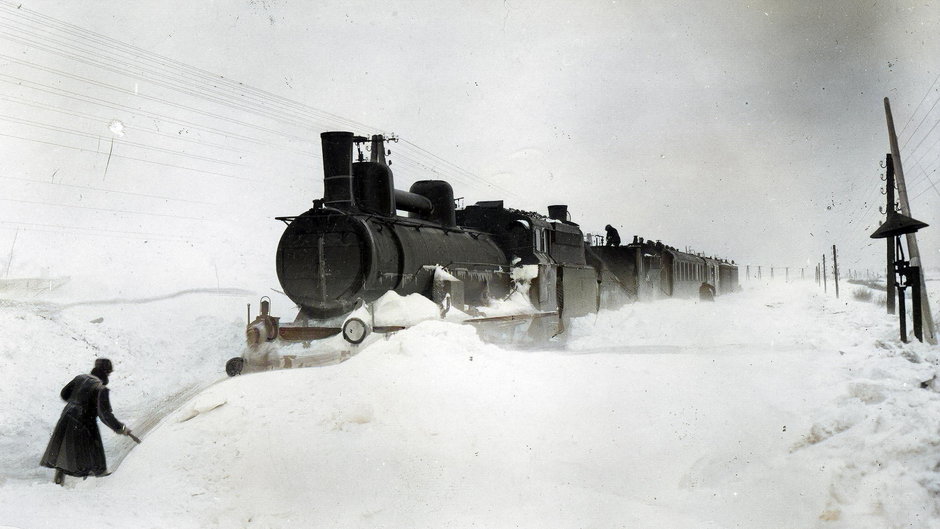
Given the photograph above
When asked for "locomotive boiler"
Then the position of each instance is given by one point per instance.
(351, 246)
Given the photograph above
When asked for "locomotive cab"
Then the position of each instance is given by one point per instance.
(564, 282)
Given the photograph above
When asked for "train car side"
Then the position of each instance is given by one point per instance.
(648, 270)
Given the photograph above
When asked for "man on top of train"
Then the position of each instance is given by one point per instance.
(613, 237)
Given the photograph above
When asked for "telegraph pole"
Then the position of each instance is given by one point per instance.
(835, 269)
(912, 249)
(824, 274)
(889, 271)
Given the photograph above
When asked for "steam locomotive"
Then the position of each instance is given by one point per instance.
(352, 247)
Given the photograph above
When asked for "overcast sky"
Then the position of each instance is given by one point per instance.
(752, 130)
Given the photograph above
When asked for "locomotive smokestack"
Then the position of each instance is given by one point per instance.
(559, 212)
(337, 169)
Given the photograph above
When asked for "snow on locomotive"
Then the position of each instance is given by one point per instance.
(352, 247)
(345, 254)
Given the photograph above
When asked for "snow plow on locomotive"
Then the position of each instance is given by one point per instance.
(342, 258)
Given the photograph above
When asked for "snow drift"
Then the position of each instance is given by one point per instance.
(775, 407)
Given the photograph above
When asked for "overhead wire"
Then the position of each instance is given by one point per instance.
(161, 78)
(870, 197)
(417, 158)
(912, 155)
(915, 157)
(109, 210)
(138, 235)
(209, 87)
(868, 204)
(914, 150)
(923, 192)
(926, 176)
(129, 128)
(204, 75)
(106, 190)
(127, 157)
(134, 111)
(930, 150)
(455, 169)
(135, 145)
(852, 236)
(927, 93)
(925, 170)
(159, 100)
(172, 66)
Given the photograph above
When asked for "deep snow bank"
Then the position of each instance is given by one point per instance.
(776, 407)
(165, 348)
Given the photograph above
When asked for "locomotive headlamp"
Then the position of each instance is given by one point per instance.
(355, 330)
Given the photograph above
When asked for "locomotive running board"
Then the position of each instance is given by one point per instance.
(305, 334)
(288, 333)
(512, 317)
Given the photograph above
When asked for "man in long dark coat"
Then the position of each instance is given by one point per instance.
(75, 447)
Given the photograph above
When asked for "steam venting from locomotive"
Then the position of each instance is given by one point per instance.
(369, 187)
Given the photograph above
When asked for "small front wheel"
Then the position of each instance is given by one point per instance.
(234, 366)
